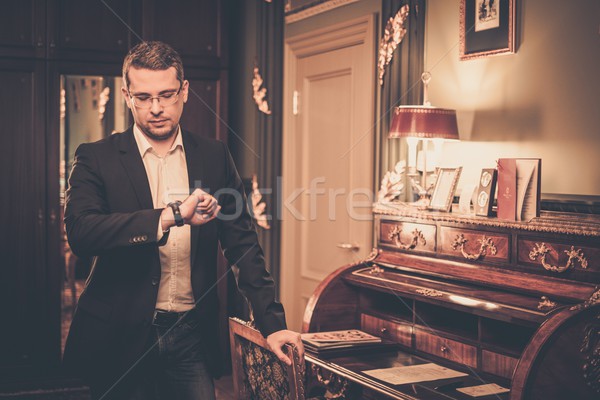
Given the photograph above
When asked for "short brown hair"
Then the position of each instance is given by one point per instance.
(156, 56)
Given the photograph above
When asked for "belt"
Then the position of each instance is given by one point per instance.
(166, 319)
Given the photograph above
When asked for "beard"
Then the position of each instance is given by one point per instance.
(162, 136)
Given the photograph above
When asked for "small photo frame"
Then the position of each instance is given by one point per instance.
(445, 186)
(486, 192)
(487, 27)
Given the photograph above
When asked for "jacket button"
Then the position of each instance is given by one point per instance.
(144, 238)
(154, 281)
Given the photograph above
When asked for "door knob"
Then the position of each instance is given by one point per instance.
(349, 246)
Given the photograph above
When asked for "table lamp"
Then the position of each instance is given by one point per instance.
(425, 123)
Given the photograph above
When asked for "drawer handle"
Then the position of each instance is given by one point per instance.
(443, 349)
(485, 244)
(417, 236)
(384, 330)
(574, 255)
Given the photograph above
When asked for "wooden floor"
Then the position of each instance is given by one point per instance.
(223, 386)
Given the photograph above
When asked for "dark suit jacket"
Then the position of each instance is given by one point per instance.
(109, 215)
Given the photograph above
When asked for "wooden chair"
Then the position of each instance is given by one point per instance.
(257, 372)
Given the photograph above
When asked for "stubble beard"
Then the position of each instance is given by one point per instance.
(161, 137)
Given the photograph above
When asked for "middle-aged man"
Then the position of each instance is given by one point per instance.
(146, 323)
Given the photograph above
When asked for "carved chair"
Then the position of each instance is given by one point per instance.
(257, 372)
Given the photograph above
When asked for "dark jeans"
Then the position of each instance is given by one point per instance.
(174, 369)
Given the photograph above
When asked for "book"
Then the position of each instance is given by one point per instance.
(338, 339)
(519, 188)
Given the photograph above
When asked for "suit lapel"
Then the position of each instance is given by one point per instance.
(134, 167)
(197, 176)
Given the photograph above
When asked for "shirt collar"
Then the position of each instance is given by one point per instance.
(144, 146)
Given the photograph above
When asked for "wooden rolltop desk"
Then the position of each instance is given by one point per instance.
(511, 303)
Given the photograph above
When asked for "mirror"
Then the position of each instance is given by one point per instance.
(91, 108)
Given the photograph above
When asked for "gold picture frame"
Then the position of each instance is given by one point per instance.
(487, 28)
(445, 186)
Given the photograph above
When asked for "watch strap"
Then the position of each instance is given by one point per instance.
(176, 212)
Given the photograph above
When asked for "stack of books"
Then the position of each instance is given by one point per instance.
(320, 341)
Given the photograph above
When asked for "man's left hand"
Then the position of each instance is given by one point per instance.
(276, 340)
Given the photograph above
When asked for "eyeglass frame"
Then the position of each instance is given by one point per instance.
(158, 98)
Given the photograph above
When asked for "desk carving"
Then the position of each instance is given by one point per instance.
(417, 236)
(427, 297)
(574, 255)
(486, 243)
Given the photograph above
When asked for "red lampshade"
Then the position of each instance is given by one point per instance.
(424, 122)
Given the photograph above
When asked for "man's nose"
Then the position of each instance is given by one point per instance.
(156, 107)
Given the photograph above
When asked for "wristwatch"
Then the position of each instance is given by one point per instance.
(176, 212)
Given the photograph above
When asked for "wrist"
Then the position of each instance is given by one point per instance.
(167, 219)
(177, 217)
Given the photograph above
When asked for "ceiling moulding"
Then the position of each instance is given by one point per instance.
(294, 16)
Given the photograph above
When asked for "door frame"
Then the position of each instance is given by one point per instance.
(352, 32)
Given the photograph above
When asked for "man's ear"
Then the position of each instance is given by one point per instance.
(126, 96)
(185, 90)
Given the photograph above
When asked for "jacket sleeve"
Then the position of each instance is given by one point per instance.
(241, 248)
(91, 226)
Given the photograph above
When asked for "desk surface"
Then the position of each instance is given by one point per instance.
(351, 364)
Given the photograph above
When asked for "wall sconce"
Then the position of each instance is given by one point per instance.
(422, 123)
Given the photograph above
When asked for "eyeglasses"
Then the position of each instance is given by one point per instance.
(164, 99)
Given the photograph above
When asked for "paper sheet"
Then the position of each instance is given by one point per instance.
(483, 390)
(413, 373)
(527, 188)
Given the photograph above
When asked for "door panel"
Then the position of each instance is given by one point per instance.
(22, 212)
(328, 157)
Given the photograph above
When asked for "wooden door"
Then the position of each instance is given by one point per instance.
(25, 338)
(23, 28)
(94, 30)
(328, 150)
(201, 42)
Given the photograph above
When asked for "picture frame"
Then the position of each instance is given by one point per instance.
(445, 186)
(486, 192)
(487, 28)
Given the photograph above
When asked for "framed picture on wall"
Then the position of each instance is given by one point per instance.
(444, 189)
(487, 27)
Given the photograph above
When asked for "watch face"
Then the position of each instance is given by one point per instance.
(486, 178)
(482, 199)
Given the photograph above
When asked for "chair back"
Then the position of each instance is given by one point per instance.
(257, 372)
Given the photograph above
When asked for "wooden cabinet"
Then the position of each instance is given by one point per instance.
(94, 30)
(23, 212)
(40, 40)
(199, 42)
(23, 28)
(499, 316)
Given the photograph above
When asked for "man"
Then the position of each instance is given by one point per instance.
(146, 323)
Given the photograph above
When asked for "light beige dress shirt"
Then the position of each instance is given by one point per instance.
(168, 179)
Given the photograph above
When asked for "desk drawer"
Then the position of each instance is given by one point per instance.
(498, 364)
(475, 245)
(396, 332)
(407, 236)
(577, 260)
(446, 348)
